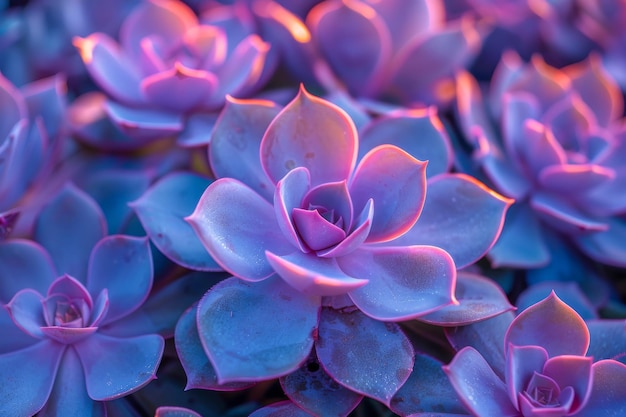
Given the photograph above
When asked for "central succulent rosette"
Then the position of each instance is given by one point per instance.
(304, 206)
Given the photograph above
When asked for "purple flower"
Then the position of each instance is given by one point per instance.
(67, 298)
(389, 50)
(166, 68)
(545, 370)
(558, 149)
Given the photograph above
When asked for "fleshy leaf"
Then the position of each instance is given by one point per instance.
(290, 191)
(69, 396)
(551, 324)
(313, 275)
(478, 298)
(608, 393)
(24, 264)
(521, 243)
(404, 282)
(123, 266)
(142, 124)
(608, 339)
(25, 392)
(418, 132)
(110, 67)
(312, 133)
(237, 226)
(397, 183)
(522, 363)
(461, 216)
(27, 311)
(478, 387)
(355, 42)
(179, 89)
(162, 210)
(199, 370)
(350, 346)
(278, 320)
(69, 227)
(487, 337)
(569, 292)
(116, 367)
(427, 390)
(239, 130)
(314, 390)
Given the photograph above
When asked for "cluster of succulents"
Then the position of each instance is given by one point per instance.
(306, 208)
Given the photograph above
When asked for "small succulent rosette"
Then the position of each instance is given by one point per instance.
(401, 52)
(165, 78)
(552, 139)
(71, 340)
(541, 369)
(31, 133)
(328, 250)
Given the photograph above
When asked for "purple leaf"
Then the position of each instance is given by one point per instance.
(521, 243)
(179, 89)
(313, 275)
(404, 282)
(428, 390)
(417, 80)
(110, 68)
(608, 339)
(354, 41)
(26, 310)
(487, 337)
(551, 324)
(69, 395)
(162, 210)
(311, 388)
(478, 387)
(142, 124)
(290, 192)
(572, 371)
(397, 183)
(237, 226)
(522, 363)
(123, 266)
(278, 323)
(24, 264)
(478, 298)
(239, 130)
(116, 367)
(25, 392)
(418, 132)
(569, 292)
(312, 133)
(608, 393)
(200, 372)
(350, 346)
(14, 338)
(606, 246)
(461, 216)
(240, 71)
(69, 227)
(165, 19)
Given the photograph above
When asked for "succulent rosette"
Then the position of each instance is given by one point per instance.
(167, 70)
(392, 50)
(311, 233)
(541, 368)
(69, 322)
(553, 140)
(558, 30)
(31, 129)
